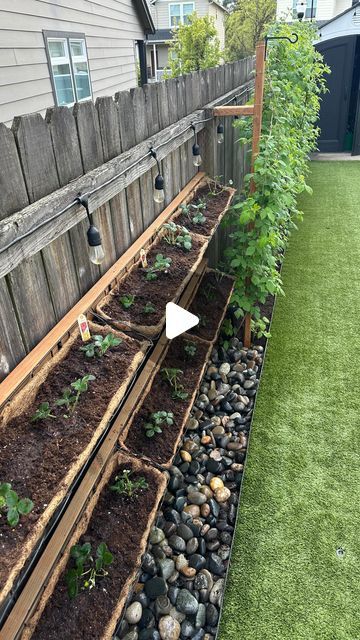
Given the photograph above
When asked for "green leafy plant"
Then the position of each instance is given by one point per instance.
(43, 412)
(263, 219)
(177, 236)
(194, 46)
(172, 377)
(203, 320)
(13, 505)
(156, 421)
(148, 308)
(123, 484)
(161, 264)
(87, 568)
(71, 396)
(190, 349)
(199, 217)
(100, 345)
(127, 301)
(209, 292)
(259, 327)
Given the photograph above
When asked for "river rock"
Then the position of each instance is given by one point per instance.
(169, 628)
(186, 602)
(162, 605)
(156, 535)
(166, 567)
(134, 613)
(216, 592)
(155, 587)
(216, 483)
(222, 495)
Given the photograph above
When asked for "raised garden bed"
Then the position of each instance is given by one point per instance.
(110, 518)
(215, 198)
(139, 303)
(162, 447)
(210, 304)
(42, 457)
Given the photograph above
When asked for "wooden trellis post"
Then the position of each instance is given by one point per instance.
(254, 110)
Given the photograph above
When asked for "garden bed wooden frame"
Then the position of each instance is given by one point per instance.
(161, 482)
(154, 330)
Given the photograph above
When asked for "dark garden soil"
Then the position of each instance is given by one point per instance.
(209, 304)
(36, 456)
(113, 522)
(161, 447)
(159, 292)
(214, 206)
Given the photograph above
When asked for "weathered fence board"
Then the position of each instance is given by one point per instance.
(44, 164)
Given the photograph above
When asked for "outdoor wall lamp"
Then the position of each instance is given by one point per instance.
(196, 149)
(96, 251)
(159, 193)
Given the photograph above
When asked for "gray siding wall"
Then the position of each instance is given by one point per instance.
(110, 27)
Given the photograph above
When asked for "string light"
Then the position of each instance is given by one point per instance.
(220, 133)
(159, 193)
(96, 251)
(196, 149)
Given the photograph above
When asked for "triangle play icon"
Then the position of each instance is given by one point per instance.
(178, 320)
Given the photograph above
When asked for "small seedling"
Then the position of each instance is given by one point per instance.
(161, 264)
(186, 210)
(87, 569)
(156, 421)
(123, 485)
(100, 345)
(190, 349)
(80, 385)
(43, 412)
(127, 301)
(177, 236)
(172, 375)
(149, 308)
(13, 505)
(67, 399)
(209, 292)
(199, 218)
(218, 187)
(203, 321)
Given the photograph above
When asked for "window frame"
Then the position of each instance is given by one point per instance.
(181, 5)
(307, 12)
(68, 36)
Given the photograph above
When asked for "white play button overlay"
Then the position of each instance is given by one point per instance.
(178, 320)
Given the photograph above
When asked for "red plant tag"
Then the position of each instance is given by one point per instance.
(84, 328)
(143, 258)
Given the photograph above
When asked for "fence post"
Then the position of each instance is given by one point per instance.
(257, 121)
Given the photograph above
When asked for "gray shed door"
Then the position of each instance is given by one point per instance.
(339, 55)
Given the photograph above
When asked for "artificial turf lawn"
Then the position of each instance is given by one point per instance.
(301, 493)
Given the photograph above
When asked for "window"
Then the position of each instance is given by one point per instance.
(69, 67)
(311, 6)
(180, 12)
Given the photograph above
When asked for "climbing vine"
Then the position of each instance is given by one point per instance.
(263, 220)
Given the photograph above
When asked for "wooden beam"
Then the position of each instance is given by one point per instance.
(105, 178)
(23, 371)
(29, 596)
(237, 110)
(257, 122)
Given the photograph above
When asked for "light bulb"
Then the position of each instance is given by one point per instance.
(159, 195)
(220, 133)
(96, 254)
(197, 160)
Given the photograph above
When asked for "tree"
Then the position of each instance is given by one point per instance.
(195, 45)
(246, 26)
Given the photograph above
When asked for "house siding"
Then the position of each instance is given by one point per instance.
(326, 9)
(110, 27)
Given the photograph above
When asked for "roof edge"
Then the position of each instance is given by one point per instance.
(354, 6)
(144, 14)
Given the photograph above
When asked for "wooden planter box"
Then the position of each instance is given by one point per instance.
(157, 397)
(124, 525)
(215, 291)
(42, 460)
(169, 286)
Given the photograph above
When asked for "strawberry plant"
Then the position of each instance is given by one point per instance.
(100, 345)
(190, 349)
(176, 235)
(70, 397)
(123, 484)
(161, 264)
(156, 421)
(87, 569)
(43, 412)
(127, 301)
(149, 308)
(13, 505)
(172, 377)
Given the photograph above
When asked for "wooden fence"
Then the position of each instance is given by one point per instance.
(44, 163)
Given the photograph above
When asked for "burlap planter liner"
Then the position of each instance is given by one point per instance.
(154, 330)
(19, 404)
(216, 335)
(161, 482)
(190, 401)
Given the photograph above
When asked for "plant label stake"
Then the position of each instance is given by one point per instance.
(84, 328)
(143, 258)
